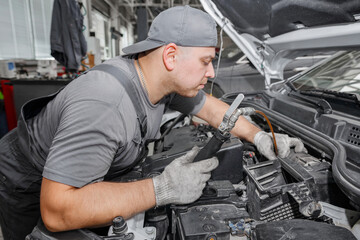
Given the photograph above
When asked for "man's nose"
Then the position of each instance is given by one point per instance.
(210, 73)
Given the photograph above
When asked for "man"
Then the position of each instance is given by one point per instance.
(75, 142)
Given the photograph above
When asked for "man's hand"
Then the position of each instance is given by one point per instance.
(182, 180)
(264, 143)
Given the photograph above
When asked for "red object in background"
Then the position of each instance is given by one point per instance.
(9, 104)
(60, 74)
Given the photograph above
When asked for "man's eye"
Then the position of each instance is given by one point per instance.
(206, 63)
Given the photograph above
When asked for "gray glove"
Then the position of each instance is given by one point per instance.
(182, 181)
(264, 144)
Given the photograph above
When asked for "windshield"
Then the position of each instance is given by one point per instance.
(341, 74)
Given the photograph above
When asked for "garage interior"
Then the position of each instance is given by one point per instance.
(25, 53)
(300, 81)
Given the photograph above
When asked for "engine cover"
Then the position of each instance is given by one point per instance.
(181, 140)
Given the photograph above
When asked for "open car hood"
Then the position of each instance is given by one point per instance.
(273, 33)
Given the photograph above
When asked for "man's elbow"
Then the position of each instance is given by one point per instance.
(55, 207)
(53, 221)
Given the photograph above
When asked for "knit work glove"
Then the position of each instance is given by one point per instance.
(264, 144)
(182, 181)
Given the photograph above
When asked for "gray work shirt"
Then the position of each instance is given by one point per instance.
(90, 128)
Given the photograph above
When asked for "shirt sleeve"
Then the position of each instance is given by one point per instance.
(85, 143)
(188, 105)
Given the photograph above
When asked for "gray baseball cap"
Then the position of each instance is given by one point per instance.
(183, 25)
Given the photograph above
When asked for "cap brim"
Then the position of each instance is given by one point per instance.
(142, 46)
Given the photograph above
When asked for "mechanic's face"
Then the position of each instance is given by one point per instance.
(195, 67)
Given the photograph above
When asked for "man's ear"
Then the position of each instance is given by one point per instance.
(169, 56)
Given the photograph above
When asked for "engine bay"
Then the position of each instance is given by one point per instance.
(247, 192)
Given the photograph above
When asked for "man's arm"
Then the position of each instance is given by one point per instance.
(64, 207)
(213, 112)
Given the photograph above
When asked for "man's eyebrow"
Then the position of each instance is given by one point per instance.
(210, 57)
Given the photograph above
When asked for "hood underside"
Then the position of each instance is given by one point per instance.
(273, 33)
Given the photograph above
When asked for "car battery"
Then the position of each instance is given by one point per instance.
(179, 141)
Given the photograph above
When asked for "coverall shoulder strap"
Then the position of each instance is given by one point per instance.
(130, 88)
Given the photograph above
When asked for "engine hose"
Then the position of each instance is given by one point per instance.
(271, 129)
